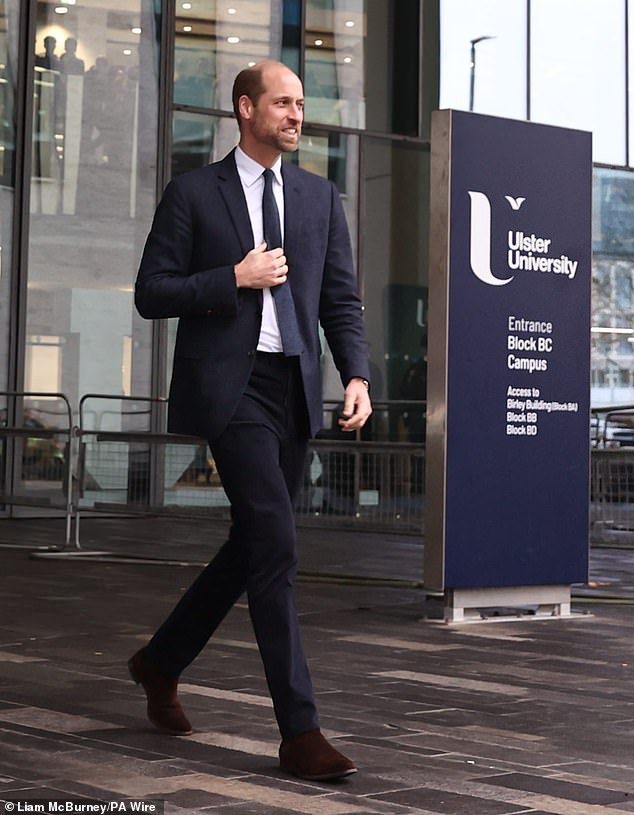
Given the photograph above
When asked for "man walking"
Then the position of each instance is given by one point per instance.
(251, 255)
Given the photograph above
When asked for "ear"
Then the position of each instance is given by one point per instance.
(245, 106)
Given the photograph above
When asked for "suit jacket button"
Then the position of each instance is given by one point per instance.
(250, 353)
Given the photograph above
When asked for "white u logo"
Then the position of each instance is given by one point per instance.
(480, 252)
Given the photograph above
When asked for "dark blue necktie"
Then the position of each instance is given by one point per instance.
(284, 305)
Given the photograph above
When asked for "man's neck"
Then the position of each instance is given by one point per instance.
(263, 154)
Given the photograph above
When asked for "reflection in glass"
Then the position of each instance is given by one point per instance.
(355, 74)
(8, 45)
(40, 455)
(192, 141)
(395, 264)
(198, 140)
(92, 196)
(335, 62)
(630, 89)
(335, 157)
(613, 210)
(612, 360)
(9, 26)
(216, 41)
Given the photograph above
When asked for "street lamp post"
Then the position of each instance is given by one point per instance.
(474, 42)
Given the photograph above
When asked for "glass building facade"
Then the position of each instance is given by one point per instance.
(101, 102)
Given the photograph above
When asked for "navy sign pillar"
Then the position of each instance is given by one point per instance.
(508, 363)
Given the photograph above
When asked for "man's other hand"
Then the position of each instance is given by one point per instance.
(356, 406)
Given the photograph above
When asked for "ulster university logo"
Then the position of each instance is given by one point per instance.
(480, 249)
(525, 252)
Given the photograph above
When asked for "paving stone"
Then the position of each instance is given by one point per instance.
(490, 719)
(446, 802)
(557, 788)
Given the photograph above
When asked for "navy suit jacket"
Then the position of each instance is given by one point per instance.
(201, 230)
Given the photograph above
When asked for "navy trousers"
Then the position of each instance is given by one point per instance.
(260, 458)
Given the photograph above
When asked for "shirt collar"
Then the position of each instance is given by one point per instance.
(250, 170)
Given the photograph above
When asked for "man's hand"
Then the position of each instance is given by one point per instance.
(260, 269)
(356, 406)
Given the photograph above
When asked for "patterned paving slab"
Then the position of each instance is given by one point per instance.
(527, 717)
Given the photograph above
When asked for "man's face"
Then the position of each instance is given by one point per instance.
(276, 120)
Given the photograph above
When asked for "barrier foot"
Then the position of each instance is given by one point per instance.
(507, 604)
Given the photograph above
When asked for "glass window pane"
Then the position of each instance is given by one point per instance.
(9, 22)
(613, 213)
(630, 52)
(578, 70)
(362, 64)
(92, 196)
(216, 41)
(394, 263)
(483, 56)
(336, 157)
(612, 288)
(198, 139)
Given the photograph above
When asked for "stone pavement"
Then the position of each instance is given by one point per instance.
(500, 718)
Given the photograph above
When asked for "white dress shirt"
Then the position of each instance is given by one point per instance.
(250, 173)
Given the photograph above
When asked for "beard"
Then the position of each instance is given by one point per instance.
(274, 136)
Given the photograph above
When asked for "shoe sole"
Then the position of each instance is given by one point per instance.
(166, 731)
(324, 777)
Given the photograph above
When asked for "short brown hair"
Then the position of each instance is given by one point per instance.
(248, 82)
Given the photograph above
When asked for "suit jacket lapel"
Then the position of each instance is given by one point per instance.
(231, 190)
(293, 214)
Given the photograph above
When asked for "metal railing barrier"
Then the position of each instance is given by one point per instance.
(36, 452)
(116, 458)
(612, 476)
(124, 465)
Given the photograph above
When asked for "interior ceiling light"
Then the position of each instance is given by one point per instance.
(319, 42)
(68, 2)
(232, 11)
(136, 30)
(349, 23)
(233, 40)
(251, 63)
(187, 28)
(187, 6)
(347, 60)
(61, 10)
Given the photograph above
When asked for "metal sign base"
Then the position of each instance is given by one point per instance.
(506, 604)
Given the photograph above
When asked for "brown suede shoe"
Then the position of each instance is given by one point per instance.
(311, 757)
(163, 708)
